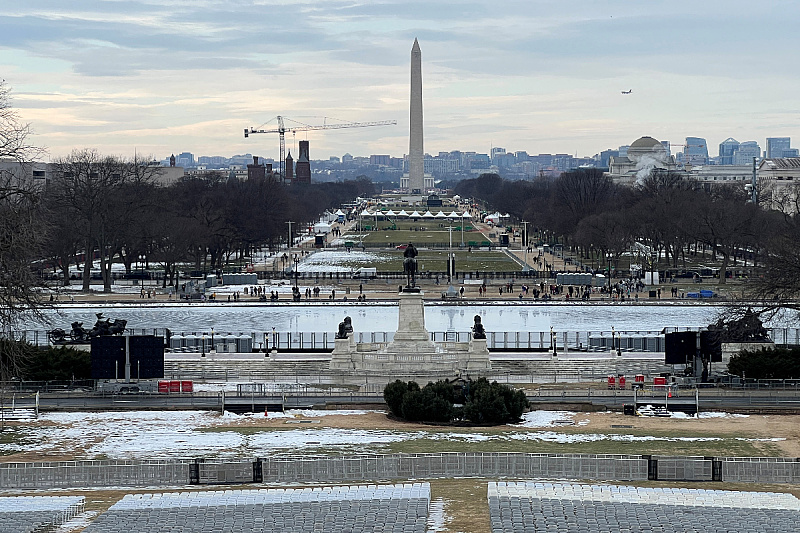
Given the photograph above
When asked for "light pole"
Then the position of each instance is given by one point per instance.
(525, 267)
(203, 345)
(213, 348)
(609, 256)
(296, 270)
(450, 272)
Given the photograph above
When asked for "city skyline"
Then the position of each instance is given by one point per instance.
(156, 79)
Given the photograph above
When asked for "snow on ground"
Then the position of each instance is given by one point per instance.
(188, 434)
(544, 419)
(340, 261)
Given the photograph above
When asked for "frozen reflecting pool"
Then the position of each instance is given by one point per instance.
(375, 317)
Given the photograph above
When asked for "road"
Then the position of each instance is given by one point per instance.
(710, 399)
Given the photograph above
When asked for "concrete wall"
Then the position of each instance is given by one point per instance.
(359, 468)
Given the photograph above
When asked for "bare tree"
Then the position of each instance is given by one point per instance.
(105, 195)
(21, 235)
(21, 226)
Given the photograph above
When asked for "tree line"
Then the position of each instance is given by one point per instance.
(114, 209)
(668, 215)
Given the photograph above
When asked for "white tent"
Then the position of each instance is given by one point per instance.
(402, 213)
(366, 213)
(339, 213)
(441, 214)
(466, 215)
(322, 227)
(415, 214)
(453, 214)
(428, 214)
(390, 213)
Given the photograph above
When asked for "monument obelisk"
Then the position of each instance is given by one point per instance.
(416, 153)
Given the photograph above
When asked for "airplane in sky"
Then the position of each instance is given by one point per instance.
(629, 91)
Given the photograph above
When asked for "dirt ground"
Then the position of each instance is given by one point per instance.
(752, 426)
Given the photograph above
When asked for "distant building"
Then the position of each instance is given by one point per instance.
(695, 151)
(289, 168)
(36, 174)
(256, 170)
(727, 150)
(779, 184)
(642, 157)
(605, 156)
(777, 145)
(380, 160)
(303, 167)
(185, 159)
(746, 152)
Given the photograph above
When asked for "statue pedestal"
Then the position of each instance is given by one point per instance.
(411, 350)
(342, 354)
(411, 335)
(478, 356)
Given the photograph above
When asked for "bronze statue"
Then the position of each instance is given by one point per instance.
(410, 266)
(342, 333)
(477, 329)
(345, 328)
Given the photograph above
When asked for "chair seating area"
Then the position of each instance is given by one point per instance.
(399, 508)
(37, 514)
(577, 508)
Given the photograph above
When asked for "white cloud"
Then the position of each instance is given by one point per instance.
(528, 75)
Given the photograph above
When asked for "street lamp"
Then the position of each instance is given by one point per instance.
(609, 257)
(525, 267)
(450, 272)
(296, 270)
(203, 345)
(212, 349)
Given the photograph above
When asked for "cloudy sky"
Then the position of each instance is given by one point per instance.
(166, 76)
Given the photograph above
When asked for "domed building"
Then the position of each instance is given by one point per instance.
(644, 155)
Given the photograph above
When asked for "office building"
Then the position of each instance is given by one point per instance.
(727, 150)
(777, 145)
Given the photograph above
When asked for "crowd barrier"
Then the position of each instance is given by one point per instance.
(377, 467)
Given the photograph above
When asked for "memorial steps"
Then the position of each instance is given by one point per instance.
(266, 368)
(313, 371)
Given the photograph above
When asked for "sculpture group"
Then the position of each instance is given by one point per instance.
(79, 334)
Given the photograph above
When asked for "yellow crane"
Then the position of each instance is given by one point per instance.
(282, 128)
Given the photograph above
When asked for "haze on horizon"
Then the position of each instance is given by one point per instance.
(160, 77)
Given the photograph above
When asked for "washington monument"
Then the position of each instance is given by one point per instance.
(416, 152)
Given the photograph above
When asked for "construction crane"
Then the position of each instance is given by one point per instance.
(282, 129)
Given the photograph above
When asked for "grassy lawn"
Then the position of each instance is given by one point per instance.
(10, 436)
(727, 445)
(422, 238)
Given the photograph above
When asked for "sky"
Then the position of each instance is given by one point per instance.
(156, 77)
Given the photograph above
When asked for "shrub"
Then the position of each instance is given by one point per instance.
(484, 402)
(779, 363)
